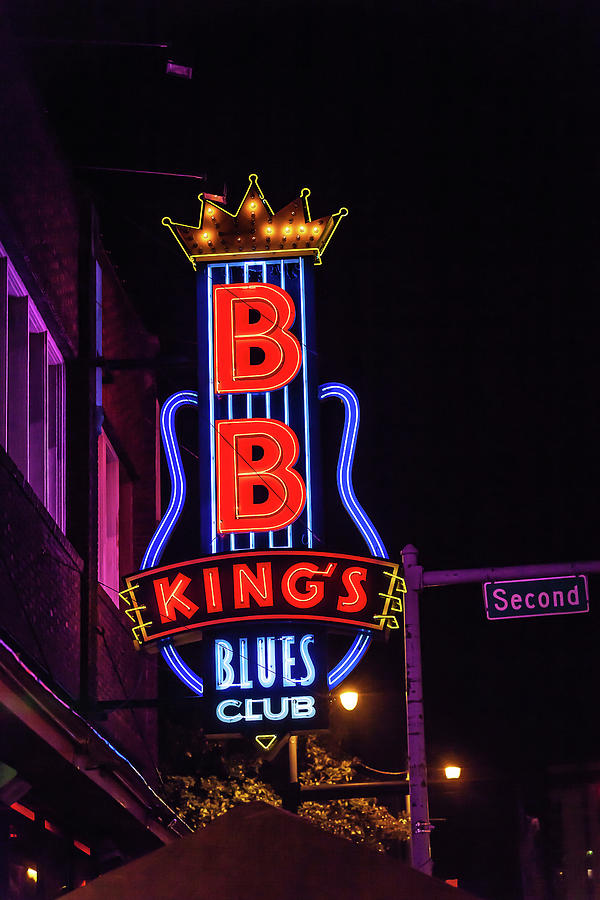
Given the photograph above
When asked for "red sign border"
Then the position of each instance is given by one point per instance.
(393, 602)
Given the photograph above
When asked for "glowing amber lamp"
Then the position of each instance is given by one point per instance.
(452, 772)
(349, 699)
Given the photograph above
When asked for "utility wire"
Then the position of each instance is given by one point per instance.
(137, 725)
(379, 771)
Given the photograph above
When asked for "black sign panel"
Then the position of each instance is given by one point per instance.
(264, 680)
(311, 587)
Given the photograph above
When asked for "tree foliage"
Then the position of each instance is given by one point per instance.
(201, 798)
(361, 819)
(204, 795)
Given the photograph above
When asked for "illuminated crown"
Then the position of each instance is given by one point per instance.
(255, 230)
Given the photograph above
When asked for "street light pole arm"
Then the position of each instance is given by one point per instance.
(506, 573)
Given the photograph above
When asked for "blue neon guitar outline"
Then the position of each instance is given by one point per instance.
(167, 523)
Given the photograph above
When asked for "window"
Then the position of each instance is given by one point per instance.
(32, 393)
(108, 515)
(115, 518)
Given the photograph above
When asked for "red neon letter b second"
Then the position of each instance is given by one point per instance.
(257, 487)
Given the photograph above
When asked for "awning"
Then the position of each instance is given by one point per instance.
(259, 852)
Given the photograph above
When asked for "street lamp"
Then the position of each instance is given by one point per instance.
(349, 699)
(452, 772)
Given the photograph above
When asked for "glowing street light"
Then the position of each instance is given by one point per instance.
(452, 772)
(349, 699)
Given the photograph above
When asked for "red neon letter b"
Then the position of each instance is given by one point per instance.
(254, 317)
(256, 457)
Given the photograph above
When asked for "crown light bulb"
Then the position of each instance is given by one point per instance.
(210, 210)
(205, 235)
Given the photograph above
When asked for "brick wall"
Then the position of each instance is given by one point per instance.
(125, 673)
(36, 191)
(40, 581)
(129, 403)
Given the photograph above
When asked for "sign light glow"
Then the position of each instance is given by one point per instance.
(347, 592)
(256, 677)
(261, 606)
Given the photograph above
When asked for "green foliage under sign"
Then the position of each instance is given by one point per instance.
(200, 797)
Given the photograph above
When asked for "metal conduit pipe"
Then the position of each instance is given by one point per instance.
(67, 744)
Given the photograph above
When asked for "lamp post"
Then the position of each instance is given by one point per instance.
(420, 827)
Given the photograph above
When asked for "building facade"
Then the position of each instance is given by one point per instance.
(78, 504)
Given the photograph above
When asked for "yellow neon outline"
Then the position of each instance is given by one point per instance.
(269, 738)
(141, 627)
(134, 608)
(128, 590)
(220, 256)
(336, 218)
(390, 622)
(393, 602)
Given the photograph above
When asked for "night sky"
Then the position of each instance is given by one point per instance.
(459, 297)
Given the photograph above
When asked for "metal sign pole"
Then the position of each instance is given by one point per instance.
(420, 849)
(416, 580)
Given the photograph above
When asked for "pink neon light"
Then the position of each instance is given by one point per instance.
(24, 810)
(83, 847)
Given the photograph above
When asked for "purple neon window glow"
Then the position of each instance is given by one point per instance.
(361, 643)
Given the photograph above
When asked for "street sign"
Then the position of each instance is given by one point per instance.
(536, 597)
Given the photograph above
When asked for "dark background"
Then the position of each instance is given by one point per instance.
(459, 298)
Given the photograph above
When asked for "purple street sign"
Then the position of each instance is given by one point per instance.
(536, 597)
